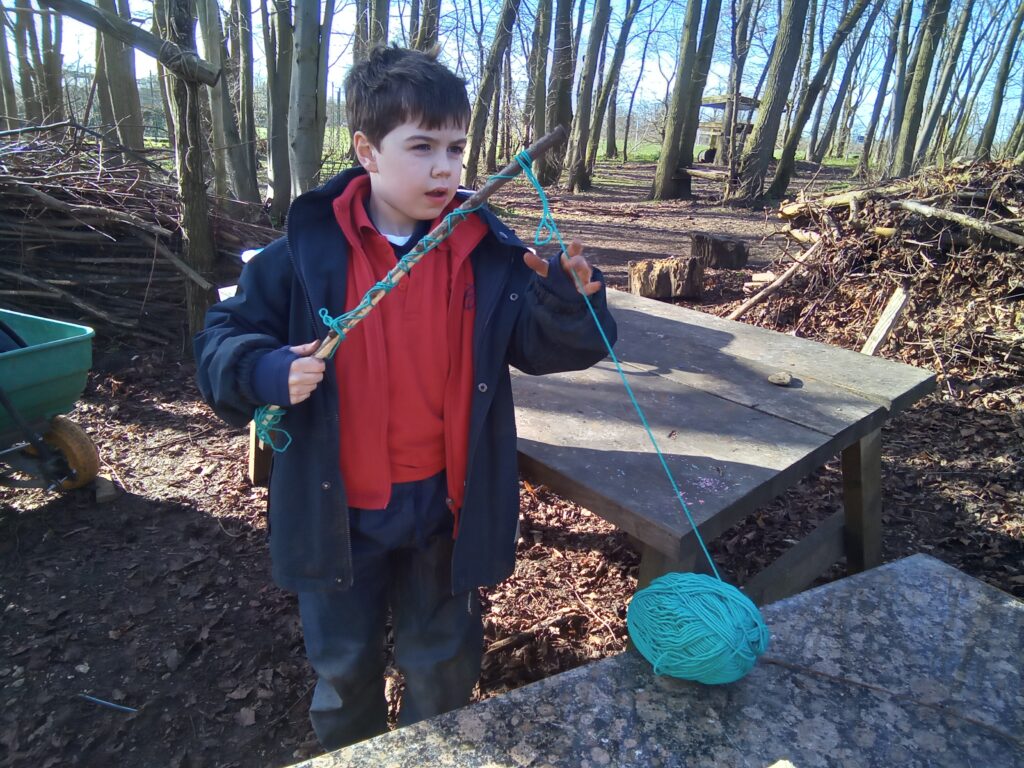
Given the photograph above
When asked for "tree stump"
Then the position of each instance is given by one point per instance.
(719, 252)
(678, 277)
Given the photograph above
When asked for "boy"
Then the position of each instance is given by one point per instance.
(400, 487)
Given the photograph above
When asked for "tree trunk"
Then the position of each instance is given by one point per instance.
(540, 71)
(705, 50)
(506, 123)
(108, 122)
(844, 85)
(491, 156)
(636, 84)
(414, 22)
(8, 95)
(246, 100)
(883, 86)
(804, 74)
(988, 134)
(198, 245)
(492, 69)
(558, 110)
(578, 176)
(899, 93)
(163, 76)
(611, 144)
(430, 21)
(230, 151)
(531, 86)
(322, 90)
(361, 38)
(53, 90)
(935, 21)
(306, 101)
(119, 60)
(666, 185)
(611, 82)
(579, 33)
(761, 146)
(277, 43)
(739, 46)
(787, 162)
(27, 75)
(380, 11)
(938, 98)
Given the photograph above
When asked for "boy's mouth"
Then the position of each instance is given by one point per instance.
(438, 194)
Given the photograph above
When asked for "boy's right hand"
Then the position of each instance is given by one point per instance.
(305, 373)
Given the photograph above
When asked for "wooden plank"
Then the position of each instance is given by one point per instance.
(810, 403)
(579, 435)
(894, 386)
(260, 456)
(887, 321)
(862, 500)
(799, 565)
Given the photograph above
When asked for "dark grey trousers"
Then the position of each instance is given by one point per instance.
(401, 558)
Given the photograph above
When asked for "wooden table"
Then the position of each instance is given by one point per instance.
(732, 440)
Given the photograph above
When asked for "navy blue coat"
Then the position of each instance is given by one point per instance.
(539, 325)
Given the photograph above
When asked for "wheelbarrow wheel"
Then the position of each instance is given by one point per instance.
(78, 450)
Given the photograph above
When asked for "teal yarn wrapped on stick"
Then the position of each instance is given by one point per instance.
(696, 627)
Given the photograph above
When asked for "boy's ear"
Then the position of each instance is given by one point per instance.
(364, 151)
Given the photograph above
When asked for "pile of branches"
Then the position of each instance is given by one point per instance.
(93, 236)
(951, 240)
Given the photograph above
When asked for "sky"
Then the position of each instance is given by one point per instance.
(79, 45)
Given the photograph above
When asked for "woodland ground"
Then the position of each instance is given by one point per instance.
(160, 601)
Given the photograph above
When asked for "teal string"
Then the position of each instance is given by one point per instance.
(687, 625)
(547, 224)
(266, 421)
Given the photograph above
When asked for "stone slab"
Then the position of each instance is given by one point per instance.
(910, 664)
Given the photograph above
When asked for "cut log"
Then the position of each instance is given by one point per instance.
(718, 252)
(678, 277)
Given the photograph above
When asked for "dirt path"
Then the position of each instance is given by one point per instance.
(160, 601)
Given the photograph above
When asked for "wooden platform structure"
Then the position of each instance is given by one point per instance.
(733, 440)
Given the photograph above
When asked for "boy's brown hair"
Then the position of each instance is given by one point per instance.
(394, 85)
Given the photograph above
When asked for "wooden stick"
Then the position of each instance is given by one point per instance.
(842, 200)
(440, 232)
(54, 291)
(179, 263)
(962, 219)
(887, 321)
(798, 263)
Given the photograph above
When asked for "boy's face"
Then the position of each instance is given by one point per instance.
(413, 174)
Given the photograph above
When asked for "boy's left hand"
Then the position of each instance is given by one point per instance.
(574, 265)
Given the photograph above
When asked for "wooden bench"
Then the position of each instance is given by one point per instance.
(732, 439)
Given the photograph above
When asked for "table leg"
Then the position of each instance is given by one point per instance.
(862, 498)
(654, 564)
(259, 458)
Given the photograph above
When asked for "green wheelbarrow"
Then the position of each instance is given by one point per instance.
(43, 368)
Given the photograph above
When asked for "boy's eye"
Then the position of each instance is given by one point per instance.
(421, 147)
(457, 150)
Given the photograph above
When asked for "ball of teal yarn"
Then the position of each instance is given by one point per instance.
(695, 627)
